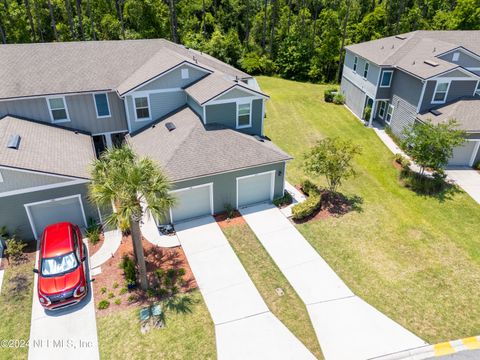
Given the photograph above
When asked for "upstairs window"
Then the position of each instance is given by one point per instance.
(185, 74)
(58, 109)
(386, 80)
(244, 115)
(440, 93)
(365, 70)
(477, 90)
(101, 104)
(355, 63)
(455, 56)
(142, 110)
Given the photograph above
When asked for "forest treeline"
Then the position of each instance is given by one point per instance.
(296, 39)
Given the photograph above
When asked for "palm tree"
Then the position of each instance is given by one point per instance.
(121, 178)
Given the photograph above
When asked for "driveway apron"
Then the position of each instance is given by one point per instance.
(70, 333)
(346, 326)
(244, 326)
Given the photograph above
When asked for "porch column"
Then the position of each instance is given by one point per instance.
(108, 140)
(372, 114)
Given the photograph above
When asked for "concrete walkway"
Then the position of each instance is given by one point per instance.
(346, 326)
(244, 326)
(150, 232)
(468, 179)
(297, 197)
(70, 333)
(111, 243)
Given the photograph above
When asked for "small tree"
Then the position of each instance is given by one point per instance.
(431, 146)
(121, 178)
(332, 158)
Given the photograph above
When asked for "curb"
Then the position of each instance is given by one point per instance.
(440, 349)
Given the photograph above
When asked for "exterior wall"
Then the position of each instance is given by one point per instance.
(195, 106)
(404, 115)
(234, 94)
(406, 87)
(457, 89)
(368, 85)
(455, 73)
(16, 180)
(464, 60)
(385, 92)
(173, 79)
(81, 109)
(354, 97)
(14, 216)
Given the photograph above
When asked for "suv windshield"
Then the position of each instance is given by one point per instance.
(59, 265)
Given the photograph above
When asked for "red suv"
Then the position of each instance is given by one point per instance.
(61, 267)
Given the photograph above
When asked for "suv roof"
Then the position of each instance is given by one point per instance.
(57, 240)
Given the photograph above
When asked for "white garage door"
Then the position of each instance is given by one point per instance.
(192, 202)
(44, 213)
(255, 188)
(464, 155)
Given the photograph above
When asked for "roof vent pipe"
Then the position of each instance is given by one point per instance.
(170, 126)
(13, 142)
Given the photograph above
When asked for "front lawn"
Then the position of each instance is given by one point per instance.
(187, 335)
(416, 258)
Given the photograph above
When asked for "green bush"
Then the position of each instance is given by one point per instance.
(93, 231)
(171, 273)
(103, 290)
(402, 160)
(111, 295)
(160, 273)
(306, 208)
(123, 291)
(115, 285)
(151, 293)
(229, 210)
(103, 304)
(339, 99)
(118, 301)
(4, 232)
(14, 250)
(129, 270)
(309, 188)
(423, 184)
(181, 272)
(329, 94)
(367, 112)
(477, 165)
(132, 298)
(286, 199)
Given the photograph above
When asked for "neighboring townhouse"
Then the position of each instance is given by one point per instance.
(62, 104)
(418, 76)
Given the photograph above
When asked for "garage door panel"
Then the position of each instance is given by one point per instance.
(191, 203)
(254, 189)
(463, 154)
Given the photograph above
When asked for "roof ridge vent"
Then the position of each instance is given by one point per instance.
(431, 63)
(14, 141)
(400, 37)
(170, 126)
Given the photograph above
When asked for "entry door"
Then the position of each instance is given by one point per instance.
(255, 188)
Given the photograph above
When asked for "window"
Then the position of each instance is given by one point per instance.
(365, 70)
(243, 115)
(381, 109)
(440, 93)
(355, 63)
(59, 265)
(386, 78)
(142, 110)
(477, 89)
(102, 105)
(58, 109)
(455, 56)
(185, 74)
(388, 118)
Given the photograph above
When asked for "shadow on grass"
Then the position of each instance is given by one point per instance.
(180, 304)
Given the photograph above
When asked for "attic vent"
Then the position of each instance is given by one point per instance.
(400, 37)
(13, 142)
(431, 63)
(258, 138)
(435, 112)
(170, 126)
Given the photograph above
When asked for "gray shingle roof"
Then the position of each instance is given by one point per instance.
(466, 111)
(46, 148)
(220, 149)
(70, 67)
(409, 51)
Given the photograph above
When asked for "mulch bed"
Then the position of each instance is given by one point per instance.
(156, 257)
(29, 254)
(224, 221)
(92, 249)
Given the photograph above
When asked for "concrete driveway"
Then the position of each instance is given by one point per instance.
(468, 179)
(244, 326)
(70, 333)
(346, 326)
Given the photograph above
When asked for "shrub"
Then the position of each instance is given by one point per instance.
(229, 210)
(181, 272)
(118, 301)
(103, 304)
(306, 208)
(115, 285)
(329, 94)
(477, 165)
(423, 184)
(129, 270)
(174, 290)
(339, 99)
(367, 113)
(103, 290)
(4, 232)
(309, 188)
(123, 291)
(402, 160)
(111, 295)
(151, 293)
(132, 298)
(171, 273)
(93, 231)
(162, 292)
(160, 273)
(168, 282)
(286, 199)
(14, 250)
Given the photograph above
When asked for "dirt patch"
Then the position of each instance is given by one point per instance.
(29, 255)
(396, 165)
(110, 284)
(224, 221)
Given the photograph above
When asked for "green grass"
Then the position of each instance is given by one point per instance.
(16, 308)
(188, 335)
(267, 277)
(416, 258)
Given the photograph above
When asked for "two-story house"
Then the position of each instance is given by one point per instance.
(418, 76)
(62, 104)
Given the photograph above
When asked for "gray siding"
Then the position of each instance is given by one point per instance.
(234, 94)
(35, 109)
(368, 85)
(457, 89)
(427, 96)
(14, 215)
(354, 97)
(455, 73)
(385, 92)
(404, 115)
(16, 180)
(173, 79)
(195, 106)
(406, 87)
(464, 60)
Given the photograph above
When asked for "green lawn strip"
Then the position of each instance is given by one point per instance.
(188, 335)
(267, 277)
(16, 309)
(416, 258)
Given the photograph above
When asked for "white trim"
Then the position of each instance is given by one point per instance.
(111, 132)
(420, 101)
(40, 173)
(262, 131)
(283, 183)
(381, 78)
(42, 187)
(474, 153)
(272, 182)
(137, 96)
(240, 102)
(143, 93)
(1, 177)
(96, 107)
(50, 109)
(210, 185)
(226, 101)
(448, 82)
(476, 91)
(390, 106)
(204, 114)
(469, 74)
(384, 109)
(29, 215)
(366, 67)
(55, 95)
(127, 112)
(254, 94)
(473, 68)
